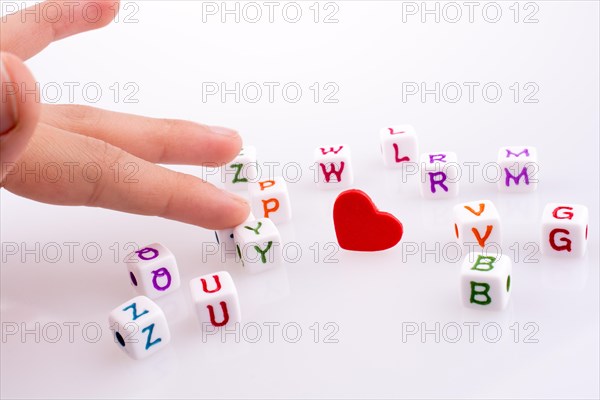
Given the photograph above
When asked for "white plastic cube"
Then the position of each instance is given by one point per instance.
(485, 281)
(224, 237)
(439, 175)
(564, 229)
(333, 166)
(270, 199)
(139, 327)
(241, 170)
(518, 169)
(477, 225)
(258, 245)
(215, 300)
(399, 145)
(153, 270)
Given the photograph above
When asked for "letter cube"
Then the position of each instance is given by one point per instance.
(518, 169)
(153, 270)
(485, 281)
(225, 236)
(258, 245)
(215, 300)
(333, 167)
(243, 169)
(477, 223)
(564, 229)
(399, 145)
(439, 175)
(140, 327)
(270, 199)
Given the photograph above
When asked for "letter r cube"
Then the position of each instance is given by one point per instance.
(485, 281)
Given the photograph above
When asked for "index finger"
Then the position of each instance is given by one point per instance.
(28, 31)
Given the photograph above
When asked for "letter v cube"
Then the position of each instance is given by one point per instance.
(216, 300)
(333, 167)
(485, 281)
(477, 223)
(258, 245)
(140, 327)
(270, 199)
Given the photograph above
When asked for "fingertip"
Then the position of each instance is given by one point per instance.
(234, 211)
(108, 9)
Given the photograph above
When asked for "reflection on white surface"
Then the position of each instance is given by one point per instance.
(368, 299)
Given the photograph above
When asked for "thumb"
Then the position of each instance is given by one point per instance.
(19, 110)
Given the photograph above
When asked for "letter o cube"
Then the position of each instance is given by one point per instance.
(518, 169)
(485, 281)
(241, 170)
(270, 199)
(140, 327)
(153, 271)
(439, 175)
(564, 229)
(478, 223)
(399, 145)
(333, 167)
(215, 300)
(258, 245)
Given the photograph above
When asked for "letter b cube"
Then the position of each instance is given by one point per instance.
(477, 224)
(485, 281)
(439, 175)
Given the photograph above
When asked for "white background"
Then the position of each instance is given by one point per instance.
(169, 52)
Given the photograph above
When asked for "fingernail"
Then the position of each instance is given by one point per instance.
(219, 130)
(8, 106)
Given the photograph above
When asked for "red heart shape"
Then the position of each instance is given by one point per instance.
(360, 226)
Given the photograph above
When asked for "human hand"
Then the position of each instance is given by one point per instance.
(41, 134)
